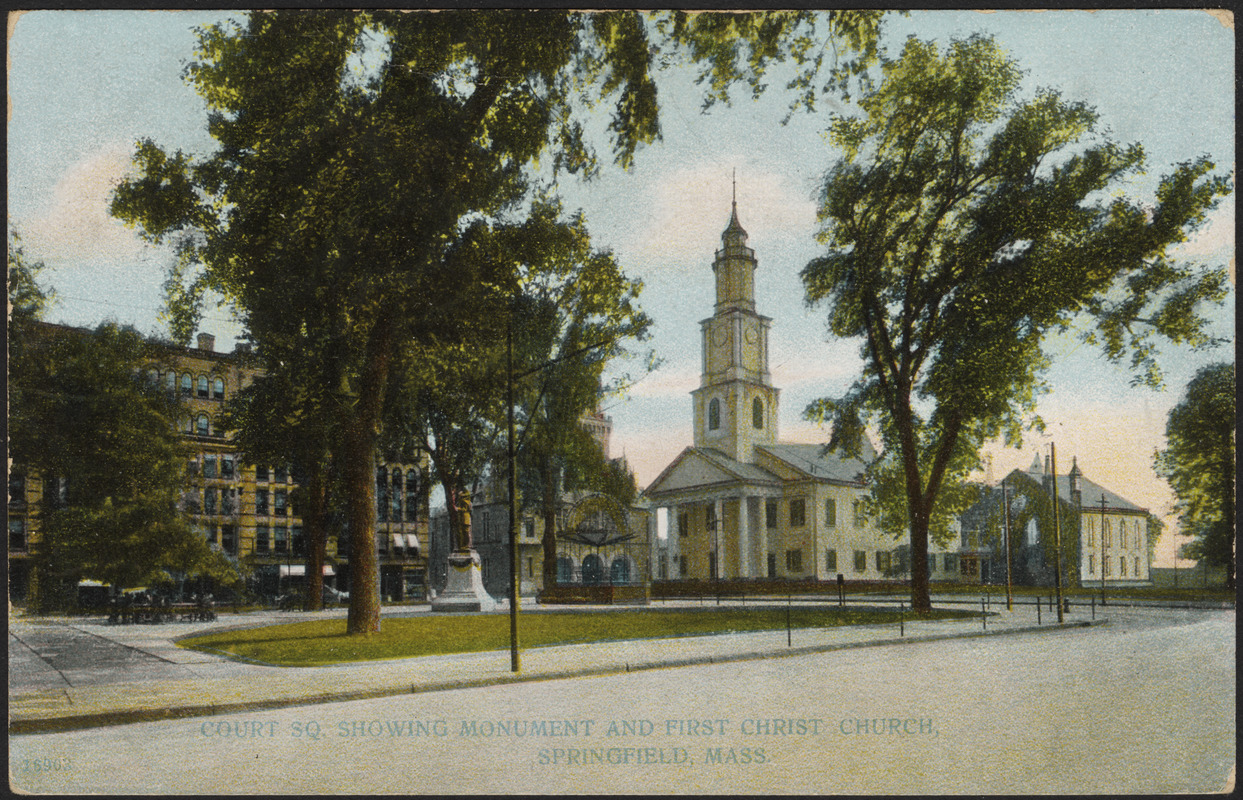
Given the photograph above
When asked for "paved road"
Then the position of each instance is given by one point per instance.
(1135, 707)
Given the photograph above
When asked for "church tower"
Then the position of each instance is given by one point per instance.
(735, 404)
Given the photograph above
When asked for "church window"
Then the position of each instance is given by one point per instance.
(798, 512)
(794, 561)
(757, 413)
(1137, 567)
(1091, 564)
(770, 513)
(830, 513)
(710, 517)
(712, 564)
(714, 414)
(830, 560)
(684, 523)
(861, 560)
(1122, 567)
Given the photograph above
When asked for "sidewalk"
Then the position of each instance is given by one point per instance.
(207, 684)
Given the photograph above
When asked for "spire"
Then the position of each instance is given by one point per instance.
(739, 236)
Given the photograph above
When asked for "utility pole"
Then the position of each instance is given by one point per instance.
(1103, 556)
(1005, 500)
(1057, 529)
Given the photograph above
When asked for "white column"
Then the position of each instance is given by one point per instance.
(675, 546)
(718, 537)
(763, 537)
(744, 536)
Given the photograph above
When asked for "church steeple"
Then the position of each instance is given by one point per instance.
(736, 404)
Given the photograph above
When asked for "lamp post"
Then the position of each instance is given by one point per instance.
(1005, 500)
(1057, 530)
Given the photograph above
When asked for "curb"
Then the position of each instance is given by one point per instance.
(73, 722)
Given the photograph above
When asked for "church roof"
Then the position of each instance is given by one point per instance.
(1091, 493)
(706, 466)
(812, 460)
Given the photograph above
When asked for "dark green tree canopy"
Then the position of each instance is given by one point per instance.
(963, 225)
(1199, 464)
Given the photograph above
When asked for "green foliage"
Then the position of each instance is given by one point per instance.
(27, 299)
(1199, 464)
(87, 419)
(962, 227)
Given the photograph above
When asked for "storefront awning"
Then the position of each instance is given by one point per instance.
(298, 570)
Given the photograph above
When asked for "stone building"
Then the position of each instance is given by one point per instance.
(246, 510)
(739, 503)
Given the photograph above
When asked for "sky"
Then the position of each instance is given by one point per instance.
(84, 86)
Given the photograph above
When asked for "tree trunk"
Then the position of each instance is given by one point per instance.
(361, 434)
(921, 601)
(549, 509)
(315, 521)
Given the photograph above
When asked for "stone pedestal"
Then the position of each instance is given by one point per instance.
(464, 589)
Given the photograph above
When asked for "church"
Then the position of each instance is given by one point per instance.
(739, 503)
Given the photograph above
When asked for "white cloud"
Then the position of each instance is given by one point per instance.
(77, 227)
(690, 207)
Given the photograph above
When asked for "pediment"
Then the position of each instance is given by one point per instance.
(690, 470)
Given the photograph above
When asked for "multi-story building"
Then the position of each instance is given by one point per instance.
(1104, 535)
(739, 503)
(248, 511)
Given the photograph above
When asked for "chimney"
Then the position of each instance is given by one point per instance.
(207, 342)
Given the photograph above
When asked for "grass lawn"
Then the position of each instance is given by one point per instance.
(305, 644)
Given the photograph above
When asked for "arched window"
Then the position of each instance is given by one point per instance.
(381, 494)
(714, 414)
(202, 384)
(412, 495)
(187, 384)
(1122, 567)
(202, 425)
(757, 413)
(565, 569)
(217, 389)
(593, 570)
(170, 380)
(396, 495)
(153, 375)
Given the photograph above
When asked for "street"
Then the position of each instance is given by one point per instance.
(1146, 705)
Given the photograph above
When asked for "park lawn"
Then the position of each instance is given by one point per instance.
(319, 642)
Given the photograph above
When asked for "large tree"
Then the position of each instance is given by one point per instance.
(1199, 463)
(87, 419)
(963, 225)
(354, 148)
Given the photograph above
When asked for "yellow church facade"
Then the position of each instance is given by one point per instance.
(739, 503)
